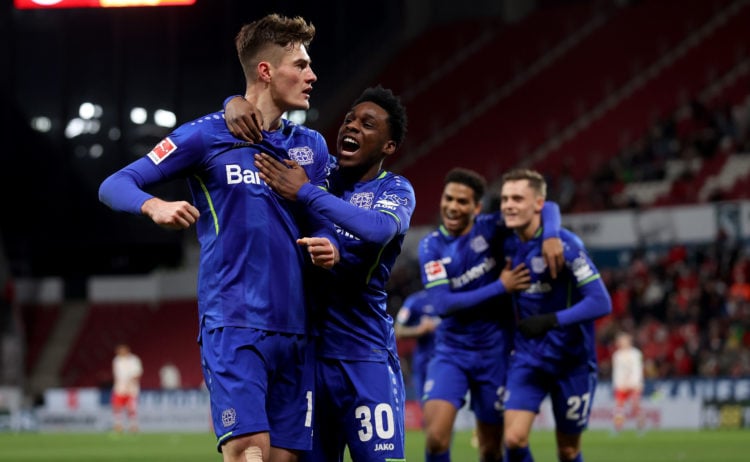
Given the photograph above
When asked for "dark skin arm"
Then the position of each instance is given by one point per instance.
(244, 120)
(284, 178)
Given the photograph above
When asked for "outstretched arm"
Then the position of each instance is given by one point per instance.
(123, 191)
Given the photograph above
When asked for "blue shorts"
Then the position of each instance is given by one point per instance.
(259, 381)
(451, 374)
(359, 404)
(572, 394)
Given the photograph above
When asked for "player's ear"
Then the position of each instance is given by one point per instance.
(389, 148)
(539, 204)
(264, 71)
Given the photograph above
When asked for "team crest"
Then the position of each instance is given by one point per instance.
(362, 200)
(479, 244)
(162, 150)
(537, 265)
(302, 155)
(229, 417)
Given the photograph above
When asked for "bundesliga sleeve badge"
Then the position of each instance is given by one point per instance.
(162, 150)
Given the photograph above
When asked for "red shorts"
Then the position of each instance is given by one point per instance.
(624, 394)
(123, 402)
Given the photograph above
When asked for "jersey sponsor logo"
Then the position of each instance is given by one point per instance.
(539, 287)
(228, 417)
(582, 270)
(479, 244)
(390, 201)
(302, 155)
(236, 175)
(435, 270)
(474, 273)
(162, 150)
(538, 265)
(362, 200)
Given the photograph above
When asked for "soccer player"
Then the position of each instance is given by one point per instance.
(126, 373)
(252, 307)
(359, 390)
(627, 380)
(554, 344)
(467, 279)
(417, 319)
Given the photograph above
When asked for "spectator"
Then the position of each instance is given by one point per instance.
(170, 377)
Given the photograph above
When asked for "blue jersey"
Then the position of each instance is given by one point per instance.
(412, 310)
(251, 269)
(578, 296)
(462, 264)
(371, 219)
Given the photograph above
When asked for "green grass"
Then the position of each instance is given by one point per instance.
(657, 446)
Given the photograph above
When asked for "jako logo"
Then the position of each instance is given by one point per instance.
(384, 447)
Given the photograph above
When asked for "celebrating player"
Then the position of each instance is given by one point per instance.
(360, 394)
(253, 323)
(465, 275)
(554, 343)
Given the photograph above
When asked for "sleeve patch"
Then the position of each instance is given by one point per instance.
(582, 270)
(435, 270)
(162, 150)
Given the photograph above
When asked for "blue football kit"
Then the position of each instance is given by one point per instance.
(473, 341)
(253, 324)
(360, 395)
(414, 307)
(562, 362)
(461, 275)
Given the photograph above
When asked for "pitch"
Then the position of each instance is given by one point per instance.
(655, 446)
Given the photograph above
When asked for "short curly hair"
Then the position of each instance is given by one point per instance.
(383, 97)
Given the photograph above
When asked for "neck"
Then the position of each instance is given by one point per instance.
(526, 233)
(268, 108)
(360, 173)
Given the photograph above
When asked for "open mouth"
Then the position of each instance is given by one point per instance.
(349, 144)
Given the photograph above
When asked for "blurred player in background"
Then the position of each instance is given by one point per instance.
(252, 306)
(417, 319)
(627, 381)
(554, 344)
(126, 373)
(467, 280)
(359, 388)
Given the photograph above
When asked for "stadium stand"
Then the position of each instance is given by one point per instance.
(651, 115)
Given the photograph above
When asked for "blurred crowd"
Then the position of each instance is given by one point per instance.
(688, 309)
(692, 135)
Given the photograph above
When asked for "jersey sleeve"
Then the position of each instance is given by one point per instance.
(437, 284)
(551, 220)
(390, 214)
(125, 191)
(595, 300)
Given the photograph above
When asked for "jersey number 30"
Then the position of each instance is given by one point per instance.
(378, 422)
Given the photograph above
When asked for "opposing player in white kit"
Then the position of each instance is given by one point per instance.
(627, 380)
(126, 372)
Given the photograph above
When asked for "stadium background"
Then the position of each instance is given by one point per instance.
(637, 111)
